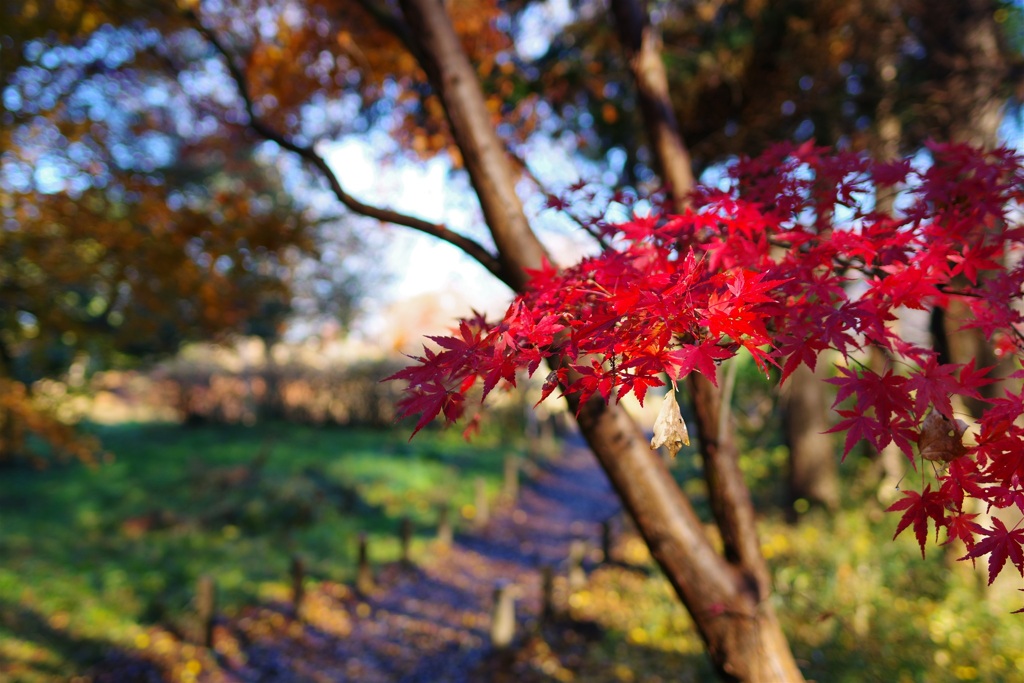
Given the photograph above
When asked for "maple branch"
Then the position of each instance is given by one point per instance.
(588, 228)
(946, 289)
(953, 291)
(394, 25)
(729, 495)
(471, 247)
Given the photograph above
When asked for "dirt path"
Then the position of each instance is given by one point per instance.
(427, 623)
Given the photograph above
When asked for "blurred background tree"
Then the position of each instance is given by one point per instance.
(745, 74)
(149, 179)
(136, 215)
(879, 76)
(144, 207)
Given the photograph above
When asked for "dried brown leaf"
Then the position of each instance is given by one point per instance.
(941, 439)
(669, 428)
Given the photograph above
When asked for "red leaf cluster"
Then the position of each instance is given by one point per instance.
(791, 261)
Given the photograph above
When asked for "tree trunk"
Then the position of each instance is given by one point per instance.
(971, 72)
(643, 51)
(726, 599)
(727, 491)
(967, 44)
(813, 465)
(969, 97)
(728, 604)
(886, 144)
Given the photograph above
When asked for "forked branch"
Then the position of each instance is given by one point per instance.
(471, 247)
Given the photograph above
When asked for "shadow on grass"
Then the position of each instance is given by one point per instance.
(559, 502)
(50, 651)
(582, 651)
(125, 542)
(416, 630)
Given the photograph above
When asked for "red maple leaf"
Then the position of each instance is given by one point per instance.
(973, 378)
(960, 526)
(974, 258)
(887, 394)
(703, 357)
(933, 384)
(918, 509)
(891, 173)
(859, 426)
(999, 544)
(429, 400)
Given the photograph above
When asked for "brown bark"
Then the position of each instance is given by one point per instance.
(455, 82)
(727, 490)
(971, 74)
(730, 498)
(813, 466)
(643, 52)
(739, 627)
(726, 600)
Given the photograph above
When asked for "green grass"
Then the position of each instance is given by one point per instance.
(77, 577)
(856, 606)
(855, 611)
(88, 556)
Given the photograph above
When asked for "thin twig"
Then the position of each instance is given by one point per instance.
(587, 227)
(262, 128)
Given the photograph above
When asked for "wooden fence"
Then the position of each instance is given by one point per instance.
(503, 629)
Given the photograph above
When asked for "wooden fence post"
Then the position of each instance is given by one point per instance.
(503, 615)
(206, 609)
(510, 487)
(444, 526)
(405, 539)
(298, 575)
(576, 575)
(483, 513)
(606, 540)
(528, 466)
(547, 594)
(364, 574)
(628, 525)
(548, 442)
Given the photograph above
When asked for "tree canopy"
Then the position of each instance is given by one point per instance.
(145, 115)
(766, 267)
(139, 211)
